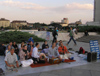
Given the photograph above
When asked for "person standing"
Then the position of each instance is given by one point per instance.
(71, 34)
(54, 34)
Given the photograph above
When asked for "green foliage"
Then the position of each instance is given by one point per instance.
(56, 25)
(17, 36)
(89, 28)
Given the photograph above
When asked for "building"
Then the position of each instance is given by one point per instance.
(18, 23)
(64, 22)
(4, 22)
(97, 11)
(78, 22)
(96, 19)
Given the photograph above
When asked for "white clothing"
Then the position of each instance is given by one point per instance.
(35, 53)
(65, 56)
(26, 63)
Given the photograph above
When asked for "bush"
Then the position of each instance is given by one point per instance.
(89, 28)
(18, 37)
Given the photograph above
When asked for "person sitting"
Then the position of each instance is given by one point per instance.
(26, 52)
(24, 57)
(53, 52)
(11, 60)
(64, 53)
(2, 49)
(60, 42)
(86, 33)
(30, 46)
(16, 48)
(45, 45)
(8, 50)
(36, 56)
(10, 43)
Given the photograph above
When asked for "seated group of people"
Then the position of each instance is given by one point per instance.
(28, 54)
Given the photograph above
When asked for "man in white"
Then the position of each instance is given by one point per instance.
(36, 56)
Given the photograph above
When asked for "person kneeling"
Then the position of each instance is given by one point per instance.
(37, 58)
(64, 54)
(11, 60)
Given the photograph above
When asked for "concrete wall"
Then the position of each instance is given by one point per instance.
(61, 36)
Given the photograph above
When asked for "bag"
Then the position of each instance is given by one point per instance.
(81, 51)
(1, 72)
(54, 61)
(91, 56)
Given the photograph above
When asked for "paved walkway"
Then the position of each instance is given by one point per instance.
(92, 69)
(79, 68)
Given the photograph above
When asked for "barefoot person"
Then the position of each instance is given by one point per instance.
(64, 53)
(71, 34)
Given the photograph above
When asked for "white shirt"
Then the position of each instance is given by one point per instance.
(35, 53)
(11, 58)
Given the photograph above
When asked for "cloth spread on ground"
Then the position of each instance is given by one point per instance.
(47, 63)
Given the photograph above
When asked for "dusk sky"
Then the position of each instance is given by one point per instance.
(45, 11)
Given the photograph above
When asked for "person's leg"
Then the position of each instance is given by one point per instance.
(69, 40)
(35, 60)
(74, 40)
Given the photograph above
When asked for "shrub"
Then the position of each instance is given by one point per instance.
(18, 37)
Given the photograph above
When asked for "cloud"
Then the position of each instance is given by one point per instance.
(22, 5)
(73, 7)
(32, 6)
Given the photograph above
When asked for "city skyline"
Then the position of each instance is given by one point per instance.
(45, 11)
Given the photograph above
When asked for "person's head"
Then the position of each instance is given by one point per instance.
(71, 28)
(55, 28)
(53, 45)
(45, 42)
(10, 43)
(60, 41)
(61, 45)
(31, 43)
(14, 43)
(22, 44)
(12, 51)
(24, 47)
(37, 45)
(9, 47)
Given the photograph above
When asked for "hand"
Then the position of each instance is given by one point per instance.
(10, 65)
(17, 64)
(25, 54)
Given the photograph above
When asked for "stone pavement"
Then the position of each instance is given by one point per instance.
(92, 69)
(79, 68)
(88, 38)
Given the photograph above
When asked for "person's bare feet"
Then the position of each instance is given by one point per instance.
(15, 70)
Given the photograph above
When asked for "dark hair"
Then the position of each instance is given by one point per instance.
(36, 44)
(45, 41)
(24, 45)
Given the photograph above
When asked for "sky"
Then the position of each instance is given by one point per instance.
(45, 11)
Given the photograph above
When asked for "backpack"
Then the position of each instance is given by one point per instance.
(81, 51)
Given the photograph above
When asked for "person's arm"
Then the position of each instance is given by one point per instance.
(17, 64)
(49, 54)
(66, 50)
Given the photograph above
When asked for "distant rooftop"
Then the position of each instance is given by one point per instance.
(18, 21)
(3, 19)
